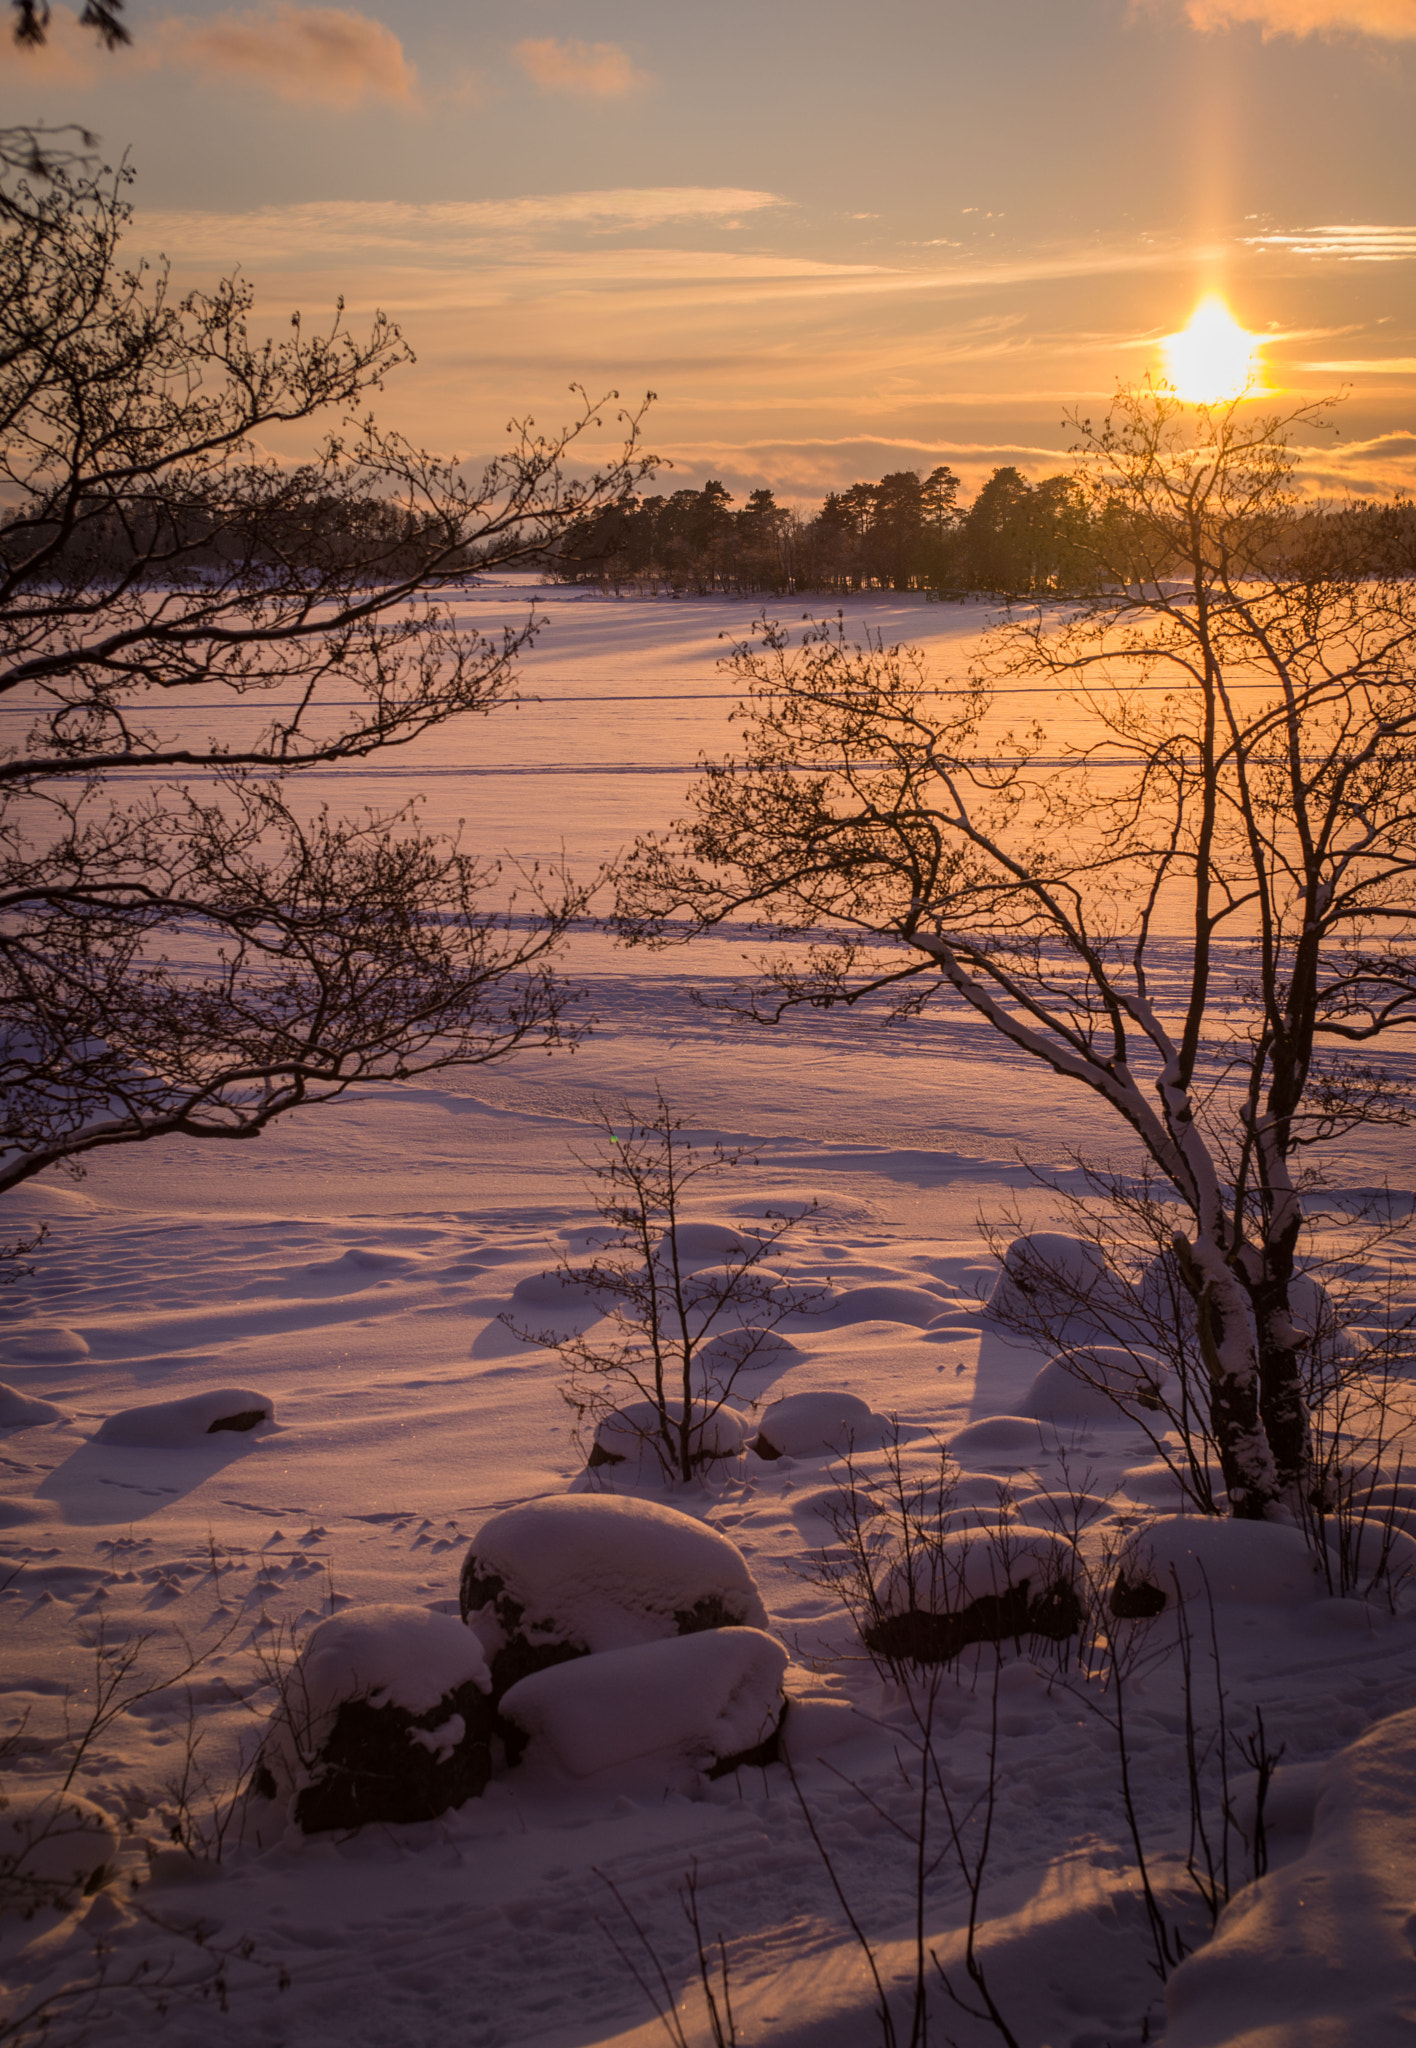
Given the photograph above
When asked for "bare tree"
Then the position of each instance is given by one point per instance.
(677, 1331)
(186, 944)
(1191, 894)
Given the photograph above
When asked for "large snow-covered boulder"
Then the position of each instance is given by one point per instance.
(176, 1425)
(53, 1849)
(713, 1700)
(817, 1425)
(633, 1437)
(732, 1353)
(559, 1578)
(386, 1716)
(1095, 1383)
(1318, 1954)
(975, 1586)
(701, 1244)
(1200, 1556)
(23, 1411)
(1058, 1285)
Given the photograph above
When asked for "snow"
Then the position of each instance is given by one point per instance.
(52, 1845)
(173, 1425)
(700, 1698)
(18, 1411)
(355, 1263)
(1320, 1951)
(813, 1425)
(633, 1435)
(606, 1573)
(1201, 1557)
(395, 1656)
(1092, 1387)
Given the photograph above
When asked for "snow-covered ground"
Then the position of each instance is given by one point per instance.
(350, 1269)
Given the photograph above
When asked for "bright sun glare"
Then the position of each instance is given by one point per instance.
(1213, 358)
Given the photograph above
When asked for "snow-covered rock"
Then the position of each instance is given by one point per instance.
(885, 1304)
(633, 1437)
(817, 1425)
(386, 1716)
(975, 1585)
(1371, 1551)
(21, 1411)
(1319, 1953)
(576, 1573)
(702, 1243)
(1260, 1563)
(1094, 1383)
(53, 1849)
(713, 1700)
(1054, 1283)
(174, 1425)
(551, 1291)
(750, 1349)
(1004, 1439)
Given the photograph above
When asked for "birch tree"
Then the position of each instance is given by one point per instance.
(1189, 891)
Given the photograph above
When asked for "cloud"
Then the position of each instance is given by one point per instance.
(592, 71)
(320, 56)
(1355, 244)
(1390, 20)
(437, 231)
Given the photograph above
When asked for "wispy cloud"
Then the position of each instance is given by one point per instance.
(437, 231)
(322, 56)
(592, 71)
(1389, 20)
(1356, 244)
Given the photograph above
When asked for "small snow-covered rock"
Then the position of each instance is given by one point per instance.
(20, 1411)
(817, 1425)
(1371, 1549)
(174, 1425)
(45, 1346)
(975, 1586)
(1011, 1439)
(714, 1700)
(1095, 1383)
(747, 1350)
(886, 1304)
(633, 1436)
(1054, 1282)
(559, 1578)
(53, 1849)
(700, 1243)
(1265, 1563)
(386, 1716)
(549, 1290)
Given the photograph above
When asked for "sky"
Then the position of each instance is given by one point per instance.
(834, 240)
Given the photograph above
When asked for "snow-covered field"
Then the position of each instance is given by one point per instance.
(351, 1268)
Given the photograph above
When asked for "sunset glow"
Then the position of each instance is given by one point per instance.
(1213, 358)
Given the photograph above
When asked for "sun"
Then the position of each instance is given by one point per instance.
(1213, 358)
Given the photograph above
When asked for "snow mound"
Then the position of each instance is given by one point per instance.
(974, 1586)
(173, 1425)
(714, 1700)
(386, 1717)
(549, 1290)
(582, 1573)
(704, 1241)
(816, 1425)
(749, 1349)
(1097, 1384)
(632, 1436)
(1015, 1437)
(53, 1849)
(886, 1304)
(1258, 1563)
(1319, 1952)
(1373, 1549)
(1054, 1283)
(45, 1347)
(18, 1410)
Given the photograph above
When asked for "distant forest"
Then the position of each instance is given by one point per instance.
(907, 532)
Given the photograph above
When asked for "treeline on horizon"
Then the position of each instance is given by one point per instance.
(907, 533)
(910, 532)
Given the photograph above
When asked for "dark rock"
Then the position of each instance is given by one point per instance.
(373, 1767)
(247, 1419)
(1136, 1599)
